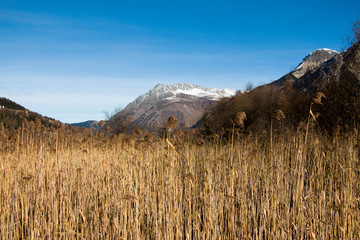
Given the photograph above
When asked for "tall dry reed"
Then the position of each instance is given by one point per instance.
(121, 188)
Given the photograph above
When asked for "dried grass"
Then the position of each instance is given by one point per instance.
(100, 188)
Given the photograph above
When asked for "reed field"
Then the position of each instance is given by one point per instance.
(61, 185)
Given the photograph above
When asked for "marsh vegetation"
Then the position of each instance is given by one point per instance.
(63, 184)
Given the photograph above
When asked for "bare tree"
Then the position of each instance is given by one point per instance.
(109, 115)
(350, 40)
(249, 87)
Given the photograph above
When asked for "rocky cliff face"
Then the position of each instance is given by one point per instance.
(186, 102)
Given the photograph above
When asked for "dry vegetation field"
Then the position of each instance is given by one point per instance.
(61, 185)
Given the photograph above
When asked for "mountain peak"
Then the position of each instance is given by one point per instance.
(313, 60)
(187, 102)
(324, 50)
(320, 55)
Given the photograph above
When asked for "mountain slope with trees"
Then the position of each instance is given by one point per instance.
(338, 79)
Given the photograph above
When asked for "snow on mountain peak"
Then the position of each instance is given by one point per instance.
(313, 60)
(170, 92)
(325, 50)
(198, 91)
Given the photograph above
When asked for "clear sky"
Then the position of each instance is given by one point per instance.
(73, 59)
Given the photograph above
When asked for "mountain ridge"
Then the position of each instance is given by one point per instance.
(86, 124)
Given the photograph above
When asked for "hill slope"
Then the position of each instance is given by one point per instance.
(13, 116)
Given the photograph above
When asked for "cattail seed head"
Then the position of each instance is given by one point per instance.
(240, 118)
(318, 97)
(102, 123)
(172, 121)
(278, 114)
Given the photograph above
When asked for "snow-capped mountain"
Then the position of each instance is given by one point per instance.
(324, 67)
(313, 60)
(309, 64)
(175, 92)
(342, 67)
(187, 102)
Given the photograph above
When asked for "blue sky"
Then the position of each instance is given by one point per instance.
(72, 60)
